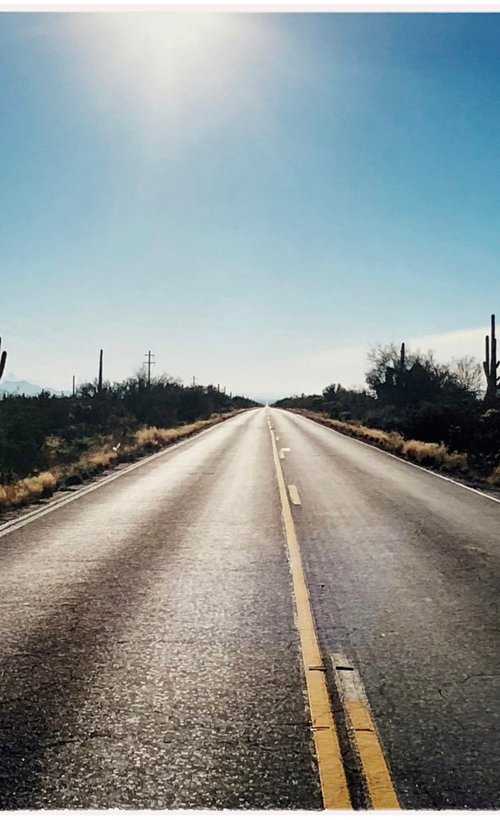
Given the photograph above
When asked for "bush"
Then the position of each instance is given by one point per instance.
(494, 478)
(427, 454)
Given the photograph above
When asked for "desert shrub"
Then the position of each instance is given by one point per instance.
(430, 454)
(28, 489)
(385, 417)
(494, 478)
(23, 432)
(488, 433)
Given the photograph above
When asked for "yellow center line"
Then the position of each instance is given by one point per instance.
(363, 732)
(331, 768)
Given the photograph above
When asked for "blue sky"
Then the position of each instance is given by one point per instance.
(257, 198)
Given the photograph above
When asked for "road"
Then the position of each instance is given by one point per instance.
(151, 645)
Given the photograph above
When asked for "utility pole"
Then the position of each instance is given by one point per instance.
(148, 363)
(194, 381)
(74, 390)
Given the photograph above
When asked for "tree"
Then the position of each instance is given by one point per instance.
(468, 374)
(400, 377)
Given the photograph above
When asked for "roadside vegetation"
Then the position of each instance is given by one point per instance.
(49, 442)
(438, 415)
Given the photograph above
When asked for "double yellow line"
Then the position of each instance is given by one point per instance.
(333, 780)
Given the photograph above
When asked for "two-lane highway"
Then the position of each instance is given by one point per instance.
(151, 646)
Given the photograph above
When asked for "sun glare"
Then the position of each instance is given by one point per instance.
(165, 64)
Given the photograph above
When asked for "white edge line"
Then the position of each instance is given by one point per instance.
(401, 460)
(22, 521)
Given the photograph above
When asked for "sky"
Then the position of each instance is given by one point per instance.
(257, 198)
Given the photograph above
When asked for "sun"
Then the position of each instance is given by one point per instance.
(159, 64)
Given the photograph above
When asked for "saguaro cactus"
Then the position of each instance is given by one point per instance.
(491, 364)
(99, 381)
(397, 375)
(3, 359)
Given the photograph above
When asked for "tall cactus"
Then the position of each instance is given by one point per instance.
(397, 375)
(3, 359)
(491, 364)
(99, 382)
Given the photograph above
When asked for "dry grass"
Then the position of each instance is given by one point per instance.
(430, 454)
(148, 437)
(28, 489)
(158, 436)
(494, 478)
(100, 458)
(427, 454)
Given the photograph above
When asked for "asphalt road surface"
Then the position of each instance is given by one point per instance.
(149, 650)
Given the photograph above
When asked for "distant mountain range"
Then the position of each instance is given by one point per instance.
(22, 388)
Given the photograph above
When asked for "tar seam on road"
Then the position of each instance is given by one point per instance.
(363, 735)
(331, 768)
(23, 520)
(294, 494)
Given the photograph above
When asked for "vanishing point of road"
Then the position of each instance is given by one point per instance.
(267, 615)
